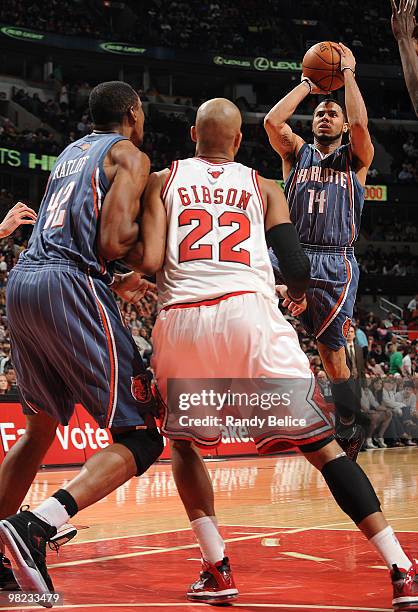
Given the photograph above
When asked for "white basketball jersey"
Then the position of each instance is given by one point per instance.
(215, 236)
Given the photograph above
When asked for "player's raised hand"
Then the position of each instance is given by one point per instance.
(20, 214)
(403, 20)
(347, 57)
(132, 287)
(295, 308)
(314, 89)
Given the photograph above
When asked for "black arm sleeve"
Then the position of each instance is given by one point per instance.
(294, 264)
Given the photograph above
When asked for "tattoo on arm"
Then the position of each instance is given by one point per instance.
(286, 141)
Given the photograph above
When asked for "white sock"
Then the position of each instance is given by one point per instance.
(53, 512)
(210, 540)
(389, 548)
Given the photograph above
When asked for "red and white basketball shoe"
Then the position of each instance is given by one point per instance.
(405, 587)
(216, 584)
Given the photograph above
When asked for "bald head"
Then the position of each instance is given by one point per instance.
(218, 126)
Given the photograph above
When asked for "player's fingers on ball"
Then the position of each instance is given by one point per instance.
(28, 209)
(30, 214)
(25, 219)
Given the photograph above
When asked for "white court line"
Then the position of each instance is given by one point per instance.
(118, 606)
(246, 532)
(156, 552)
(297, 555)
(148, 547)
(330, 525)
(286, 530)
(124, 537)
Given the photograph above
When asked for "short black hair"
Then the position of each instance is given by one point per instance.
(331, 100)
(110, 101)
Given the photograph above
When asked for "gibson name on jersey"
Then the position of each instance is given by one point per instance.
(202, 194)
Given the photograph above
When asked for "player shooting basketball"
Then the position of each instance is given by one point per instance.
(405, 30)
(324, 185)
(204, 229)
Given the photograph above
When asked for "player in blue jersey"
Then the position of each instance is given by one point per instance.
(324, 185)
(69, 343)
(21, 214)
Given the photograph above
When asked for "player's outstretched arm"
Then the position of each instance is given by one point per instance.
(281, 136)
(119, 229)
(282, 237)
(153, 225)
(361, 143)
(20, 214)
(403, 26)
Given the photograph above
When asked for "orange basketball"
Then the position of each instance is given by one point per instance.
(321, 64)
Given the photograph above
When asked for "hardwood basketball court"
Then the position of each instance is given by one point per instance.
(290, 546)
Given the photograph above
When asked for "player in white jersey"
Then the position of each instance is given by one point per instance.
(205, 229)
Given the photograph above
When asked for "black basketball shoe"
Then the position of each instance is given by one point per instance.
(7, 580)
(25, 536)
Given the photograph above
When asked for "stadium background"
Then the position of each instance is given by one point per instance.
(178, 54)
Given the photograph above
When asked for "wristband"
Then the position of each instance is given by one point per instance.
(298, 300)
(115, 280)
(307, 81)
(348, 68)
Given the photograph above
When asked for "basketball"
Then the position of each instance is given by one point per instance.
(321, 64)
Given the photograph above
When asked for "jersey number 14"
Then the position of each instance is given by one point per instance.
(317, 197)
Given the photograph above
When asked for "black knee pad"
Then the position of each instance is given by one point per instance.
(345, 399)
(146, 445)
(351, 488)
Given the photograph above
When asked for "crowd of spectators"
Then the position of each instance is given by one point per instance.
(71, 17)
(384, 365)
(65, 118)
(393, 262)
(409, 171)
(38, 141)
(274, 28)
(385, 229)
